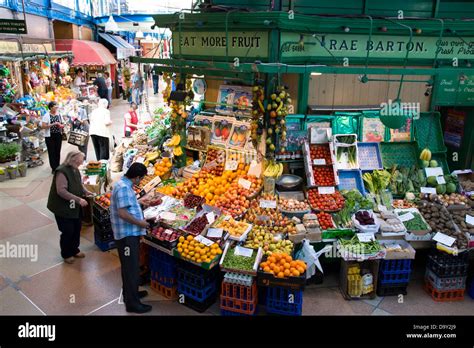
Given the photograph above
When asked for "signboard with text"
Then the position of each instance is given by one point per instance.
(241, 44)
(12, 26)
(380, 46)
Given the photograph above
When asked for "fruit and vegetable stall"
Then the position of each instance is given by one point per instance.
(240, 223)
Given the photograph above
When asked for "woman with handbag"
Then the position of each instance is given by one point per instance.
(51, 122)
(131, 120)
(66, 200)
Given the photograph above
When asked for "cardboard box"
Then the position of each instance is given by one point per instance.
(398, 255)
(371, 265)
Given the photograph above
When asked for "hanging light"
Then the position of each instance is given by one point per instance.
(111, 25)
(139, 35)
(315, 73)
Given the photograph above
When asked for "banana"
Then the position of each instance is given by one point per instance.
(425, 155)
(175, 140)
(280, 172)
(177, 151)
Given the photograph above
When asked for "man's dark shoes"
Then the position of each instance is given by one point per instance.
(142, 293)
(140, 309)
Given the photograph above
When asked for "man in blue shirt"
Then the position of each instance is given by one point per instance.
(129, 225)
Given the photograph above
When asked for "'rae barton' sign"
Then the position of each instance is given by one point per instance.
(204, 43)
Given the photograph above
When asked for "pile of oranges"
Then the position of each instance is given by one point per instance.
(163, 167)
(282, 265)
(191, 249)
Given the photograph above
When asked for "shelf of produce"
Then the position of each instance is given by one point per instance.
(204, 265)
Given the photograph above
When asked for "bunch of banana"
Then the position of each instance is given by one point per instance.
(151, 157)
(273, 170)
(425, 155)
(178, 151)
(175, 140)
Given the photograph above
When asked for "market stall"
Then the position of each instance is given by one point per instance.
(368, 189)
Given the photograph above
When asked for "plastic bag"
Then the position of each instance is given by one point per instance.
(311, 257)
(345, 125)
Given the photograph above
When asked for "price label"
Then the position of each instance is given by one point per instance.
(245, 183)
(470, 219)
(168, 232)
(210, 217)
(440, 180)
(365, 237)
(215, 232)
(210, 165)
(231, 165)
(437, 171)
(406, 217)
(268, 204)
(168, 216)
(204, 240)
(319, 162)
(241, 251)
(428, 190)
(255, 169)
(326, 190)
(140, 160)
(444, 239)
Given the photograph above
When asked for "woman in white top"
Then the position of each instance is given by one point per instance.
(99, 129)
(78, 81)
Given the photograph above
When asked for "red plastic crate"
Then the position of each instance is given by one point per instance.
(165, 291)
(444, 295)
(239, 298)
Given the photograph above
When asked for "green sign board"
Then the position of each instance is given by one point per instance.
(241, 44)
(12, 26)
(380, 46)
(454, 89)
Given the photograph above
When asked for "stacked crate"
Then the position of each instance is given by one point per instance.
(103, 233)
(163, 273)
(284, 301)
(445, 277)
(394, 276)
(197, 287)
(238, 295)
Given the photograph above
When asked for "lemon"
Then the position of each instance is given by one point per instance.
(180, 250)
(181, 239)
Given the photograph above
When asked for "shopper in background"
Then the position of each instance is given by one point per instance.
(52, 124)
(99, 130)
(131, 120)
(108, 82)
(156, 81)
(66, 198)
(102, 90)
(129, 225)
(80, 121)
(79, 80)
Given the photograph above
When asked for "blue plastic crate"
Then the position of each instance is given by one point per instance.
(104, 245)
(471, 289)
(369, 156)
(198, 280)
(351, 179)
(162, 270)
(278, 301)
(395, 272)
(197, 294)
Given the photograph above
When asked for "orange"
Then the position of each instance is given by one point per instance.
(266, 269)
(287, 273)
(286, 265)
(271, 259)
(300, 269)
(280, 275)
(296, 273)
(276, 269)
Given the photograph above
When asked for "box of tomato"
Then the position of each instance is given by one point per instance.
(325, 199)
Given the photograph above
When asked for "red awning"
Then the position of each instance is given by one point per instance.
(86, 52)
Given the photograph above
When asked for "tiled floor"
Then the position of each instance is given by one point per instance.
(92, 286)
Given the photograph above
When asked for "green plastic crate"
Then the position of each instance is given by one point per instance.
(428, 132)
(400, 153)
(442, 161)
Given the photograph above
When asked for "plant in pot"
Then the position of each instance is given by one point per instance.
(22, 169)
(12, 172)
(8, 152)
(3, 175)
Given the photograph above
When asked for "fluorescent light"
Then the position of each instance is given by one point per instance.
(315, 73)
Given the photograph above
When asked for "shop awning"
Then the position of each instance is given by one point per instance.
(86, 52)
(124, 49)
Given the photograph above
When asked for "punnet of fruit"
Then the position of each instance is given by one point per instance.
(103, 200)
(191, 249)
